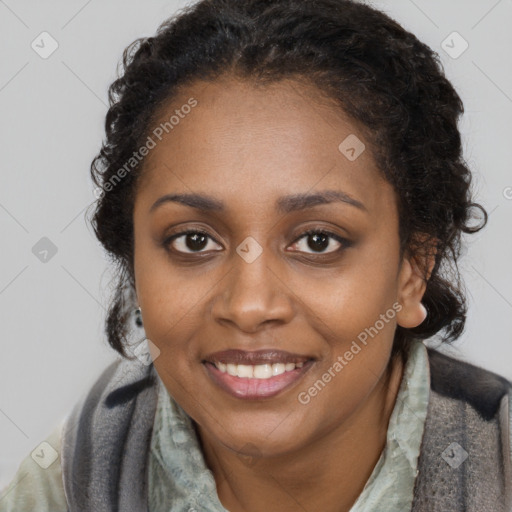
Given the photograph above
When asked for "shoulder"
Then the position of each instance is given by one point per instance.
(453, 378)
(106, 438)
(465, 452)
(37, 484)
(488, 393)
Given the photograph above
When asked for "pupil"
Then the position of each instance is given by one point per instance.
(195, 245)
(323, 244)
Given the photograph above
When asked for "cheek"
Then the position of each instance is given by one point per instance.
(359, 297)
(170, 297)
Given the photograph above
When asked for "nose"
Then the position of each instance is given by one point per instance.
(253, 295)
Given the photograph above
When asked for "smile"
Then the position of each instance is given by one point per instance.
(256, 381)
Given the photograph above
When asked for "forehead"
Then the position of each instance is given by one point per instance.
(255, 142)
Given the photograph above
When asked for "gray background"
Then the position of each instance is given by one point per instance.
(53, 346)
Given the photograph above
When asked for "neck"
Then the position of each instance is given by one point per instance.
(328, 474)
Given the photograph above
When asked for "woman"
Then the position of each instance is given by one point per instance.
(282, 186)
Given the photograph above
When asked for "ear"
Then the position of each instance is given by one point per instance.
(412, 283)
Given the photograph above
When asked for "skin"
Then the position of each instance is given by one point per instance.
(248, 146)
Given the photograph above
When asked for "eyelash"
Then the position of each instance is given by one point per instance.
(344, 242)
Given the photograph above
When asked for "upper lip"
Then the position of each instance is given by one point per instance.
(264, 356)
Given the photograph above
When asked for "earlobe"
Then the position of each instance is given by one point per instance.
(412, 286)
(412, 315)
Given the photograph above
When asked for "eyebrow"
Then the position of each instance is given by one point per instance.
(285, 204)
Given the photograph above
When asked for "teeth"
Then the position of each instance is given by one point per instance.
(260, 371)
(244, 371)
(278, 368)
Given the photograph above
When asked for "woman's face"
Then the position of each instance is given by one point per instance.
(258, 168)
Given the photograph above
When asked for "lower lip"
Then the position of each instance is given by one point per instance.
(254, 389)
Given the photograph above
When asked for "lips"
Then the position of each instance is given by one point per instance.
(256, 375)
(258, 357)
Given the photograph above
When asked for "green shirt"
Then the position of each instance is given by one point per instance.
(178, 474)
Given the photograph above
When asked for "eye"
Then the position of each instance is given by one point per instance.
(194, 240)
(318, 240)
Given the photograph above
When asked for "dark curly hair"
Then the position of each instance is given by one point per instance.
(379, 74)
